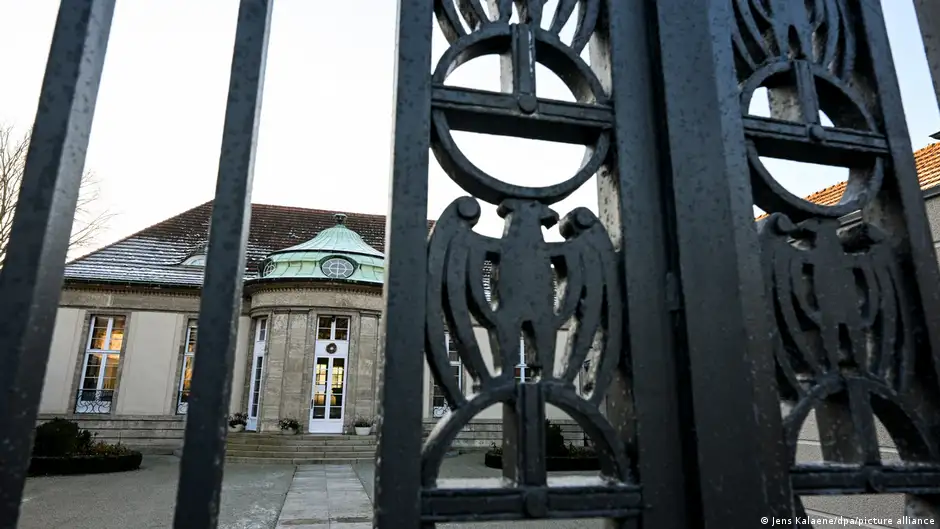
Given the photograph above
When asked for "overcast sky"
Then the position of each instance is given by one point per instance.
(326, 116)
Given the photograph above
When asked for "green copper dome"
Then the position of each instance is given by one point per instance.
(335, 254)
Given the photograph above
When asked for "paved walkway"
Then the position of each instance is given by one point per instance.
(326, 497)
(143, 499)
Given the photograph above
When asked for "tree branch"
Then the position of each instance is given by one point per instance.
(89, 220)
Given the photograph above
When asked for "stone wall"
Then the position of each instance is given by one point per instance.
(293, 311)
(161, 434)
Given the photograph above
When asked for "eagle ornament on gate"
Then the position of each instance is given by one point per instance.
(535, 288)
(524, 270)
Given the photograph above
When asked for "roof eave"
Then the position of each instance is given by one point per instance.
(81, 281)
(263, 281)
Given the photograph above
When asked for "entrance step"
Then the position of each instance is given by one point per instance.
(287, 440)
(305, 461)
(277, 448)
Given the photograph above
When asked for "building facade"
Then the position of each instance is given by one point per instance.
(126, 333)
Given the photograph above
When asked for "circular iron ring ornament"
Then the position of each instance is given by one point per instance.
(551, 52)
(846, 110)
(331, 348)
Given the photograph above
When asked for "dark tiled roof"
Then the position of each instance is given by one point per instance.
(154, 255)
(927, 161)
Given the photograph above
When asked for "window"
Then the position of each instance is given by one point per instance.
(333, 328)
(100, 364)
(438, 402)
(186, 373)
(268, 268)
(196, 260)
(262, 329)
(337, 268)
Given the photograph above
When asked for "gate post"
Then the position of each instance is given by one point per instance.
(806, 311)
(398, 454)
(635, 207)
(741, 475)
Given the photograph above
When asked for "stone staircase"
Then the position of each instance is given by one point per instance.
(276, 448)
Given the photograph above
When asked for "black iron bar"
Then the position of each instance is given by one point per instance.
(397, 473)
(203, 460)
(31, 278)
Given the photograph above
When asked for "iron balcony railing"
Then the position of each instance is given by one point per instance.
(94, 401)
(182, 401)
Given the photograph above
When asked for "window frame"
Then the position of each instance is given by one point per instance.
(190, 335)
(95, 407)
(325, 262)
(334, 329)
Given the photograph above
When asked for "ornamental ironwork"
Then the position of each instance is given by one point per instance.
(94, 401)
(703, 340)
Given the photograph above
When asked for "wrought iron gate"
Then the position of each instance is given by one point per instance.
(710, 336)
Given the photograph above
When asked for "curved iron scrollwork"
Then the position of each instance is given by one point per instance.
(845, 332)
(182, 402)
(805, 57)
(522, 269)
(94, 401)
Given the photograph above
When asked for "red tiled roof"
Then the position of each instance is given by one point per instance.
(154, 255)
(927, 161)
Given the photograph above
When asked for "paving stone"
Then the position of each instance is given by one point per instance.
(326, 497)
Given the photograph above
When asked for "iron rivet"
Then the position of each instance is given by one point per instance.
(817, 133)
(527, 103)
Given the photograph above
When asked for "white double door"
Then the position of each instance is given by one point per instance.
(328, 394)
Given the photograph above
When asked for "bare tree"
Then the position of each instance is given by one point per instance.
(89, 221)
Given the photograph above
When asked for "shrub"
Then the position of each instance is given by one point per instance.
(84, 441)
(107, 449)
(238, 418)
(554, 440)
(584, 452)
(288, 424)
(58, 437)
(362, 422)
(555, 445)
(61, 447)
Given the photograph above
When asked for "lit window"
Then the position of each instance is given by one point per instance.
(438, 402)
(186, 373)
(337, 268)
(100, 365)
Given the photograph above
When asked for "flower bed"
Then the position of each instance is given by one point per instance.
(559, 457)
(61, 447)
(552, 464)
(84, 464)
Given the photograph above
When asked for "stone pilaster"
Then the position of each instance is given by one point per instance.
(292, 398)
(274, 372)
(364, 391)
(307, 378)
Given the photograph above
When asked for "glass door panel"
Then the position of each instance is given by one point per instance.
(338, 373)
(320, 389)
